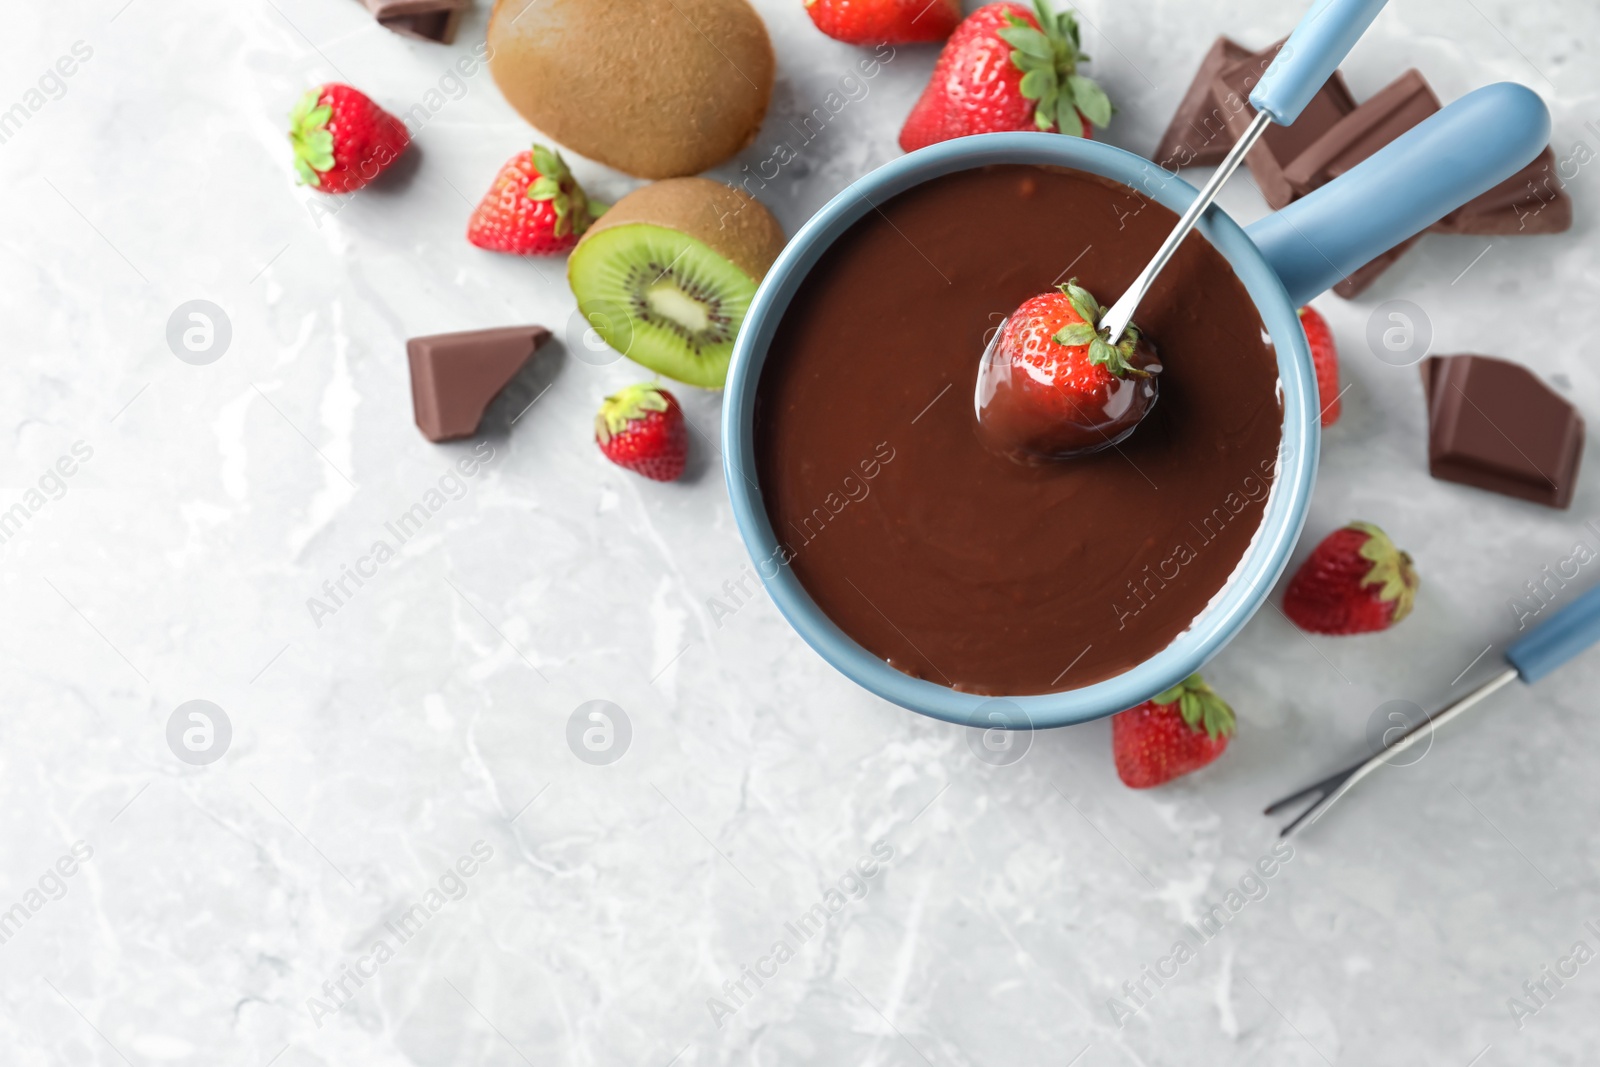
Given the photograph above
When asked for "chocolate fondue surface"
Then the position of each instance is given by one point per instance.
(956, 564)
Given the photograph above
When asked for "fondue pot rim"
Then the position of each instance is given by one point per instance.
(1257, 572)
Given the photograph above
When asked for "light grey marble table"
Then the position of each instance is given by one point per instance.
(221, 914)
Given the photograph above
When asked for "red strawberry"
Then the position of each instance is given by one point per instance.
(1053, 387)
(1325, 357)
(1174, 733)
(1354, 582)
(885, 21)
(1007, 68)
(641, 428)
(342, 140)
(534, 208)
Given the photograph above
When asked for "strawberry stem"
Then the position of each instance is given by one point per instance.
(1200, 707)
(556, 184)
(1391, 570)
(1048, 55)
(1115, 358)
(311, 138)
(622, 407)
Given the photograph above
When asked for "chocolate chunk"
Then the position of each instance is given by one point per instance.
(1494, 425)
(1527, 218)
(1531, 201)
(1198, 135)
(1361, 278)
(1333, 135)
(1395, 109)
(454, 376)
(1377, 121)
(427, 20)
(1280, 146)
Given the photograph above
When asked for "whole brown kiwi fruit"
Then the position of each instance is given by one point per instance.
(656, 88)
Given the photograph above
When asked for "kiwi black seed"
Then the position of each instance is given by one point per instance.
(666, 274)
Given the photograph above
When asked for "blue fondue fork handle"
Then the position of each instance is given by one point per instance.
(1313, 52)
(1567, 633)
(1468, 148)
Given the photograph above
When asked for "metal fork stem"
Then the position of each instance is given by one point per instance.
(1121, 312)
(1366, 767)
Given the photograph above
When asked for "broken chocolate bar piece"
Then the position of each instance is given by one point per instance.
(1527, 218)
(1280, 146)
(1377, 121)
(454, 376)
(1531, 201)
(1332, 136)
(1198, 135)
(1494, 425)
(427, 20)
(1395, 109)
(1359, 279)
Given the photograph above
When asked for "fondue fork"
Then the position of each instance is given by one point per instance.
(1308, 59)
(1567, 633)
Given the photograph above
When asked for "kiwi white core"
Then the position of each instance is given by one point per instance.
(665, 298)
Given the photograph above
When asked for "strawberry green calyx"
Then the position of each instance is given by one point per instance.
(1048, 58)
(557, 185)
(1200, 707)
(1115, 358)
(1391, 570)
(311, 138)
(621, 408)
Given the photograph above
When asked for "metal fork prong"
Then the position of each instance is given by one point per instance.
(1327, 785)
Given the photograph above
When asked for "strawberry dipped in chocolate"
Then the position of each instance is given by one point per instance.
(1051, 385)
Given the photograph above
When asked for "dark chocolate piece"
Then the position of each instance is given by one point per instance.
(1332, 136)
(427, 20)
(1394, 110)
(1362, 277)
(1198, 135)
(1531, 201)
(1280, 146)
(454, 376)
(1377, 121)
(1494, 425)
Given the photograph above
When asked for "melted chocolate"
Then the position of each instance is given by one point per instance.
(951, 562)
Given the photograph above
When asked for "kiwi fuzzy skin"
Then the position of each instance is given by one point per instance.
(729, 221)
(655, 88)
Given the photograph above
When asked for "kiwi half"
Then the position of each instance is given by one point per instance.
(666, 274)
(656, 88)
